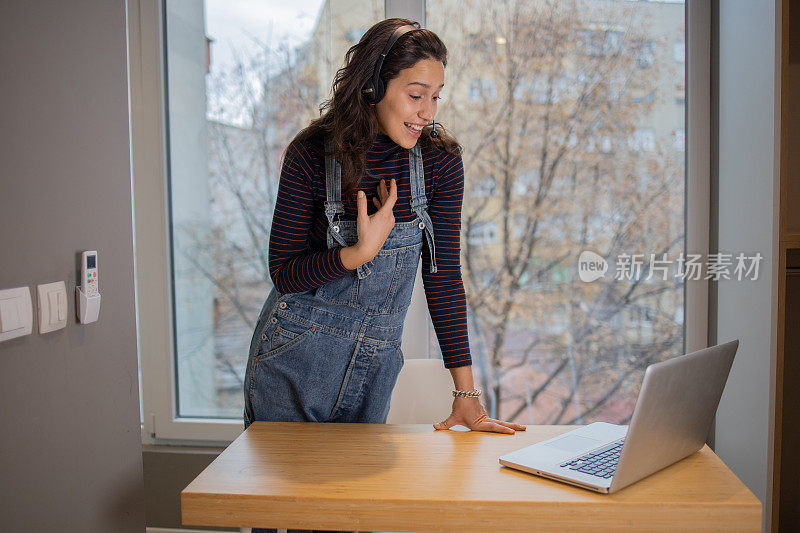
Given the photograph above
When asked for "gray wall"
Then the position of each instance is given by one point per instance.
(745, 185)
(70, 456)
(167, 471)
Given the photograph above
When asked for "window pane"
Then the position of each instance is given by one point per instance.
(242, 78)
(571, 114)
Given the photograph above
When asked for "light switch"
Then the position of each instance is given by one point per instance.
(16, 313)
(62, 305)
(9, 315)
(52, 301)
(52, 306)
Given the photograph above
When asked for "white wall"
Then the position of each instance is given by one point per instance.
(746, 183)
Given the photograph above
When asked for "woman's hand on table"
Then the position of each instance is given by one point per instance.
(469, 412)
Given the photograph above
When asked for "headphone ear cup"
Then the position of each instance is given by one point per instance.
(378, 91)
(368, 94)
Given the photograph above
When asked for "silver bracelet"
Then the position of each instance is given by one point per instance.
(474, 393)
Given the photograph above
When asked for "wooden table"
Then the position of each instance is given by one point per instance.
(372, 477)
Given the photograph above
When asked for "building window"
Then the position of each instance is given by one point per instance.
(644, 99)
(526, 182)
(481, 233)
(679, 140)
(679, 51)
(482, 90)
(642, 140)
(645, 55)
(484, 187)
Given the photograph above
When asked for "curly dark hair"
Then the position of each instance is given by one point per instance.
(349, 119)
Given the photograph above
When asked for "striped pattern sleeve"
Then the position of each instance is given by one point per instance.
(444, 289)
(293, 267)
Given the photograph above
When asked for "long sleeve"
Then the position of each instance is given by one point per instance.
(444, 289)
(293, 267)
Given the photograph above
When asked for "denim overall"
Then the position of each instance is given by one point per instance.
(332, 354)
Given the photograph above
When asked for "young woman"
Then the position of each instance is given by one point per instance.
(365, 191)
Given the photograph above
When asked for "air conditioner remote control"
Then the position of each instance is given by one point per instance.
(89, 273)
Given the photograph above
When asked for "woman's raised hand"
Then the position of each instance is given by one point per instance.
(372, 229)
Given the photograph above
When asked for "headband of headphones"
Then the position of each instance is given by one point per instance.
(374, 90)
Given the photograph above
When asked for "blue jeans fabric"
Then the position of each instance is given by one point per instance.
(332, 354)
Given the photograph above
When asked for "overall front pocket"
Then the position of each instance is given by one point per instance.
(282, 336)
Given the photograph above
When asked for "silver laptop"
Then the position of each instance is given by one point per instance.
(671, 420)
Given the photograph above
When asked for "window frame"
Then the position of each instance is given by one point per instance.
(149, 171)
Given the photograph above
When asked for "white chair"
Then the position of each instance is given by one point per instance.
(422, 393)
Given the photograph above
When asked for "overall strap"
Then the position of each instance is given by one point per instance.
(333, 195)
(419, 202)
(333, 203)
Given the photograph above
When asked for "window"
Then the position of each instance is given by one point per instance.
(241, 79)
(679, 139)
(644, 99)
(613, 42)
(597, 39)
(603, 144)
(645, 56)
(642, 140)
(606, 144)
(226, 137)
(481, 233)
(679, 51)
(541, 88)
(483, 187)
(526, 182)
(480, 90)
(190, 127)
(590, 42)
(582, 149)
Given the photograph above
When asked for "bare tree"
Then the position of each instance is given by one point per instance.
(555, 165)
(257, 105)
(548, 98)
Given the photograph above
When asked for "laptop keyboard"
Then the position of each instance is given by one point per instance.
(601, 462)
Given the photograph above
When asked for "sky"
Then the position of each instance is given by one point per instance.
(232, 25)
(236, 24)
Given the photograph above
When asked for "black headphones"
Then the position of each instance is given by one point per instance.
(374, 90)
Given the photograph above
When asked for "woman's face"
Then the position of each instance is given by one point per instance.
(410, 102)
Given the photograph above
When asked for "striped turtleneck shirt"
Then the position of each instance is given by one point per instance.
(299, 258)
